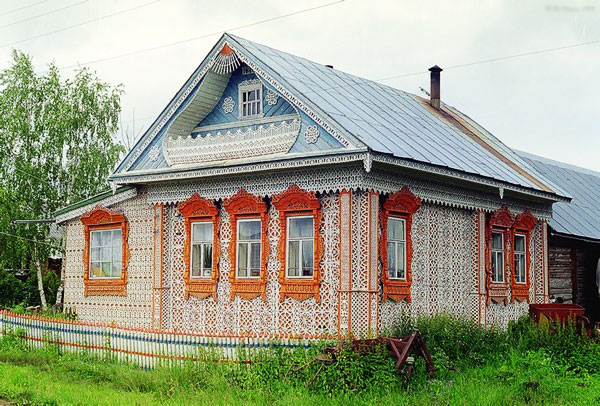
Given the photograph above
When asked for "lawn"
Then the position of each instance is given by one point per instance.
(525, 365)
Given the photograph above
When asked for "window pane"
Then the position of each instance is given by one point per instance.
(106, 238)
(202, 232)
(116, 238)
(497, 241)
(392, 259)
(396, 229)
(251, 96)
(105, 254)
(494, 267)
(307, 258)
(255, 255)
(242, 259)
(116, 269)
(521, 271)
(117, 253)
(520, 243)
(196, 255)
(207, 263)
(96, 269)
(96, 238)
(400, 259)
(95, 254)
(293, 258)
(106, 269)
(249, 230)
(301, 227)
(244, 96)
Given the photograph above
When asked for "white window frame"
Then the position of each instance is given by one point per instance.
(396, 242)
(287, 248)
(524, 254)
(249, 251)
(495, 251)
(201, 243)
(250, 88)
(91, 275)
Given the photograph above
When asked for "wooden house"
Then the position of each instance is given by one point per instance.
(574, 235)
(276, 196)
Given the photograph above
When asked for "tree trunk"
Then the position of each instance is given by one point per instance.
(60, 290)
(38, 265)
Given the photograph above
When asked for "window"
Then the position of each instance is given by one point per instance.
(249, 248)
(497, 257)
(520, 259)
(396, 243)
(202, 250)
(301, 250)
(106, 254)
(251, 102)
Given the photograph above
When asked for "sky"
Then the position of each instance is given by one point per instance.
(545, 103)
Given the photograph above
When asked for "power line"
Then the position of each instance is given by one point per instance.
(201, 36)
(43, 14)
(28, 239)
(462, 65)
(14, 10)
(93, 20)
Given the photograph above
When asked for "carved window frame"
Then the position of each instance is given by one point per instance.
(523, 225)
(99, 219)
(296, 202)
(195, 210)
(500, 221)
(243, 205)
(402, 204)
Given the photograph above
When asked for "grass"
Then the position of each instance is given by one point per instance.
(525, 365)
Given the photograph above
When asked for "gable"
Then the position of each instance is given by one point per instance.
(204, 124)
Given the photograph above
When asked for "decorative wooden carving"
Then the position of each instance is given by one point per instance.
(197, 209)
(524, 224)
(99, 219)
(501, 220)
(297, 202)
(243, 205)
(402, 204)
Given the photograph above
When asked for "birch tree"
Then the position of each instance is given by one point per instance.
(56, 147)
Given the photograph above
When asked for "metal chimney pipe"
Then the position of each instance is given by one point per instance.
(435, 86)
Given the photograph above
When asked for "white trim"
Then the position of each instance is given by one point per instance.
(248, 242)
(301, 240)
(109, 201)
(250, 86)
(248, 122)
(202, 242)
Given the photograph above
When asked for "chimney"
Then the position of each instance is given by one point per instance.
(435, 86)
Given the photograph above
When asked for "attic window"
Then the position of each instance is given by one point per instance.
(250, 96)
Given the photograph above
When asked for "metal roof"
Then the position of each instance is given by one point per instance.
(391, 121)
(581, 217)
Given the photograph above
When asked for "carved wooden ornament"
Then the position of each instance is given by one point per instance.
(199, 209)
(243, 205)
(297, 202)
(99, 219)
(402, 204)
(524, 224)
(501, 220)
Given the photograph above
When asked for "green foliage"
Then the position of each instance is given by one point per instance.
(56, 147)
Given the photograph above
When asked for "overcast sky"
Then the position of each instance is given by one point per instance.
(546, 103)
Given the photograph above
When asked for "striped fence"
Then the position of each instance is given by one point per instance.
(146, 348)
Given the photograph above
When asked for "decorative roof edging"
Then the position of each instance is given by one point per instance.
(200, 75)
(114, 199)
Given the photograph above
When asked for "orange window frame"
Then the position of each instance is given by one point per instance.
(296, 202)
(99, 219)
(523, 225)
(402, 204)
(245, 206)
(199, 209)
(501, 221)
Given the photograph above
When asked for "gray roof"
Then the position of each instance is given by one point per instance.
(392, 121)
(581, 217)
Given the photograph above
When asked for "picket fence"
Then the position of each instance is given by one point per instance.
(147, 348)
